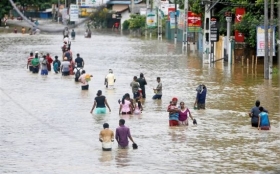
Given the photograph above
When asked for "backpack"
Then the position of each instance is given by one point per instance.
(77, 75)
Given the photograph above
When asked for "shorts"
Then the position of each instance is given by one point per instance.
(200, 105)
(254, 124)
(135, 95)
(30, 68)
(157, 96)
(106, 149)
(35, 69)
(85, 87)
(122, 147)
(173, 123)
(100, 110)
(44, 72)
(66, 73)
(125, 113)
(265, 128)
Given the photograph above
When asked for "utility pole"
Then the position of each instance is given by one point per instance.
(132, 6)
(185, 32)
(159, 20)
(147, 8)
(271, 40)
(278, 39)
(228, 19)
(176, 24)
(266, 62)
(206, 31)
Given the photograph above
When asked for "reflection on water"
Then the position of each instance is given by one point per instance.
(46, 123)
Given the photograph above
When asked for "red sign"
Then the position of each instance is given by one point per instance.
(171, 9)
(239, 12)
(194, 20)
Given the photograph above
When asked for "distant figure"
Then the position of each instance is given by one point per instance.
(100, 102)
(254, 114)
(135, 87)
(56, 65)
(106, 136)
(23, 30)
(116, 25)
(138, 107)
(110, 79)
(50, 60)
(201, 92)
(44, 66)
(36, 23)
(173, 112)
(29, 65)
(184, 114)
(263, 123)
(15, 30)
(158, 90)
(79, 62)
(73, 34)
(122, 135)
(65, 67)
(142, 81)
(126, 106)
(84, 79)
(35, 63)
(65, 32)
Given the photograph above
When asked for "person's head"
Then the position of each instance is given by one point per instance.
(56, 57)
(31, 54)
(182, 105)
(78, 55)
(121, 122)
(258, 103)
(44, 56)
(48, 54)
(135, 78)
(72, 29)
(125, 97)
(99, 93)
(174, 100)
(110, 71)
(105, 125)
(141, 75)
(261, 108)
(36, 56)
(158, 79)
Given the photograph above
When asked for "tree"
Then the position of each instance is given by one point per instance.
(5, 7)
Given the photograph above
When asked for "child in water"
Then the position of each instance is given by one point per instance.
(138, 107)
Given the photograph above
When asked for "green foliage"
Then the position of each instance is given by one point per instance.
(125, 25)
(137, 21)
(99, 17)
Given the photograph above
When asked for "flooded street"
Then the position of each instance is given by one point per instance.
(46, 125)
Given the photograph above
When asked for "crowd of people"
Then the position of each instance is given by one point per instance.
(178, 114)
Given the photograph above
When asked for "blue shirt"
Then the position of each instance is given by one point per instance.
(201, 96)
(264, 119)
(255, 114)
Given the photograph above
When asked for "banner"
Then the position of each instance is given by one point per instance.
(172, 20)
(239, 12)
(194, 20)
(261, 40)
(169, 11)
(74, 12)
(151, 19)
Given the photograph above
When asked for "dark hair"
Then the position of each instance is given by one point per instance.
(83, 71)
(105, 125)
(56, 57)
(141, 75)
(258, 103)
(261, 108)
(78, 54)
(99, 93)
(122, 121)
(31, 54)
(125, 96)
(158, 78)
(135, 77)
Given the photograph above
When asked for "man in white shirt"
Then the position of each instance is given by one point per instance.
(110, 79)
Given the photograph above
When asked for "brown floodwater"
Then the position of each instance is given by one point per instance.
(46, 126)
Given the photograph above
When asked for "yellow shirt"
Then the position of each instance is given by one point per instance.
(107, 136)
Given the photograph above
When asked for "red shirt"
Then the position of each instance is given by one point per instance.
(29, 60)
(49, 59)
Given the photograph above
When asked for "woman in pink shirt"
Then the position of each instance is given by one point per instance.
(125, 105)
(183, 114)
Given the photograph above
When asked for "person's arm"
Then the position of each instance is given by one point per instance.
(27, 64)
(100, 137)
(117, 135)
(190, 114)
(106, 81)
(107, 105)
(251, 113)
(120, 109)
(83, 63)
(145, 82)
(129, 136)
(196, 99)
(259, 122)
(93, 106)
(112, 136)
(114, 78)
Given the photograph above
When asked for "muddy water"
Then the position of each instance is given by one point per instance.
(46, 126)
